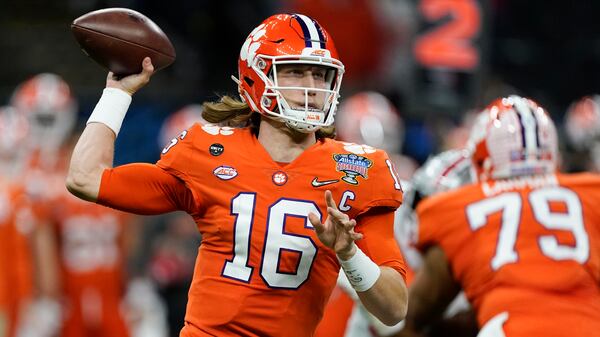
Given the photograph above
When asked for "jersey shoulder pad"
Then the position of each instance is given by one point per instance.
(456, 198)
(585, 179)
(439, 216)
(193, 148)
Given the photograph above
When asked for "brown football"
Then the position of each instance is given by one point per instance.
(120, 38)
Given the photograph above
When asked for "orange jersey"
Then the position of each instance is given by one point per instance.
(89, 240)
(8, 304)
(17, 222)
(90, 243)
(91, 256)
(261, 270)
(528, 246)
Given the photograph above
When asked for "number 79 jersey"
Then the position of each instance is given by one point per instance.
(261, 270)
(528, 246)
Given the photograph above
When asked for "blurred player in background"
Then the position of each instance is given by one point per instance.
(178, 121)
(370, 118)
(19, 229)
(267, 263)
(443, 172)
(87, 241)
(15, 281)
(523, 242)
(582, 126)
(14, 127)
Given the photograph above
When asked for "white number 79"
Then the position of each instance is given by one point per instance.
(510, 204)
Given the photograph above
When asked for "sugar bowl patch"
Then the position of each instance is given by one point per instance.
(352, 166)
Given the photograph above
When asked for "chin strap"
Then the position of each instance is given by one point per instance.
(236, 80)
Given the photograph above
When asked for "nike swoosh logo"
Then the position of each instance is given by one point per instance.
(316, 183)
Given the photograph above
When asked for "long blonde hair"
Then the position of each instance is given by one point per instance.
(233, 112)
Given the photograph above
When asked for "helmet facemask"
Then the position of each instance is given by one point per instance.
(310, 114)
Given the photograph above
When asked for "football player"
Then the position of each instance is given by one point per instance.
(272, 245)
(178, 121)
(582, 126)
(78, 247)
(18, 224)
(523, 242)
(443, 172)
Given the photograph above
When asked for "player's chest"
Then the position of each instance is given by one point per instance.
(348, 177)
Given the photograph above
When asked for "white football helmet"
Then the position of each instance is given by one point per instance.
(582, 122)
(178, 121)
(370, 118)
(49, 106)
(512, 137)
(14, 129)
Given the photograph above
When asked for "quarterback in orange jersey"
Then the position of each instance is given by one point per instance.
(272, 245)
(523, 242)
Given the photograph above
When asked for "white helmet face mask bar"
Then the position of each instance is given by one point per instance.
(309, 117)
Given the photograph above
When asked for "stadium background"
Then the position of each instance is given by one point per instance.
(547, 50)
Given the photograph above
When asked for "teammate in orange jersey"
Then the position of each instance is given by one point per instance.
(91, 242)
(272, 245)
(81, 264)
(523, 242)
(16, 224)
(582, 127)
(11, 290)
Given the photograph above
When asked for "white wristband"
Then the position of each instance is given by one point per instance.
(361, 271)
(111, 109)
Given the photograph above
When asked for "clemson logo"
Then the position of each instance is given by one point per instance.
(249, 48)
(358, 148)
(217, 130)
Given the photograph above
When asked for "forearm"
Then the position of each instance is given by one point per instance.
(46, 262)
(387, 299)
(92, 155)
(95, 149)
(431, 291)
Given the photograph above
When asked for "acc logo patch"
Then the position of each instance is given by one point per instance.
(353, 166)
(225, 172)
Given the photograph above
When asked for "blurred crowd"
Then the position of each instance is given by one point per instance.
(71, 268)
